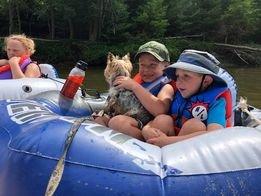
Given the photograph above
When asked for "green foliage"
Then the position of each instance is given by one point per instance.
(238, 19)
(151, 19)
(95, 53)
(118, 21)
(52, 51)
(194, 17)
(116, 26)
(70, 51)
(256, 17)
(176, 47)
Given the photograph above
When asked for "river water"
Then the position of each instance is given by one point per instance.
(248, 81)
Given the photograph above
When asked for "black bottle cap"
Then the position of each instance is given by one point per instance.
(82, 65)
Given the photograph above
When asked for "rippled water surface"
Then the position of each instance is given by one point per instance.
(249, 84)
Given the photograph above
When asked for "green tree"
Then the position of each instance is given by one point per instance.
(14, 8)
(116, 22)
(49, 11)
(96, 12)
(193, 17)
(256, 16)
(238, 20)
(151, 19)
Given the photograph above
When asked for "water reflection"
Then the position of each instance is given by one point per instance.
(249, 84)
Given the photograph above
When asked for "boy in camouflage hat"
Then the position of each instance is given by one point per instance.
(157, 49)
(149, 86)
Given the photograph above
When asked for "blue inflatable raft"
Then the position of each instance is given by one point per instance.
(101, 161)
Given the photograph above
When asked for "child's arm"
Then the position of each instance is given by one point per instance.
(32, 70)
(217, 115)
(216, 120)
(3, 62)
(155, 105)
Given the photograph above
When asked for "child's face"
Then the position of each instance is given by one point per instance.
(188, 83)
(15, 48)
(149, 67)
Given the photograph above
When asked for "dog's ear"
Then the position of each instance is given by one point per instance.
(127, 64)
(126, 57)
(110, 57)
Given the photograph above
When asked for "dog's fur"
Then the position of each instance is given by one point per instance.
(246, 115)
(122, 101)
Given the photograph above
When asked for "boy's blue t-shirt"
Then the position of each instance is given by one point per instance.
(217, 112)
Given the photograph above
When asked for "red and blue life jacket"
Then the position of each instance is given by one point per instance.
(198, 105)
(155, 86)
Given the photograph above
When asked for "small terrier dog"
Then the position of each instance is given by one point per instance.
(122, 101)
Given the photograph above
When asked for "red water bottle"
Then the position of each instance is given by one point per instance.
(74, 80)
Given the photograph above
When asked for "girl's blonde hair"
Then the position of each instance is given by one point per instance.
(26, 41)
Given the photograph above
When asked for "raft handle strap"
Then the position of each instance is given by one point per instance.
(57, 173)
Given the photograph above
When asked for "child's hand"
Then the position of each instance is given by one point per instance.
(124, 82)
(161, 140)
(150, 132)
(14, 60)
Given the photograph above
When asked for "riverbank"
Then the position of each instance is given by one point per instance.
(57, 52)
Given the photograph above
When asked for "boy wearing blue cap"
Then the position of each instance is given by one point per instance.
(202, 102)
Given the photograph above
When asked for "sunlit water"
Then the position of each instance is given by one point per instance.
(249, 84)
(248, 80)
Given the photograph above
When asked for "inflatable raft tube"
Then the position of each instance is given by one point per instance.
(101, 161)
(26, 87)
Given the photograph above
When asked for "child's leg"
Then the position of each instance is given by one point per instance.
(192, 125)
(127, 125)
(163, 123)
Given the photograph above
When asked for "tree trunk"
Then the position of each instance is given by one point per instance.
(95, 25)
(30, 25)
(226, 37)
(247, 48)
(49, 26)
(71, 29)
(18, 18)
(93, 31)
(100, 16)
(11, 17)
(243, 55)
(52, 23)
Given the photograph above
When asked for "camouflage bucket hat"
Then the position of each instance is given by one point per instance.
(158, 50)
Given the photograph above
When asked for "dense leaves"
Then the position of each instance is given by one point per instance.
(228, 21)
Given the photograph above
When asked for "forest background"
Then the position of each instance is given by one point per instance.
(68, 30)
